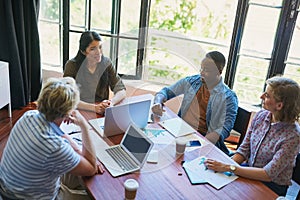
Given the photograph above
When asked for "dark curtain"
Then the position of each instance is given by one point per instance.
(19, 46)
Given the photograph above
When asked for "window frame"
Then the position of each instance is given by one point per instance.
(115, 33)
(282, 40)
(278, 60)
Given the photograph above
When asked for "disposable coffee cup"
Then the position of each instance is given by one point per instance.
(131, 187)
(180, 145)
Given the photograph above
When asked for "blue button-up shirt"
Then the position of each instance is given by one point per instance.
(221, 109)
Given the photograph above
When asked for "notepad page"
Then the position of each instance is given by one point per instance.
(177, 127)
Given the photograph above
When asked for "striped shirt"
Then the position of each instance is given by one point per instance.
(35, 157)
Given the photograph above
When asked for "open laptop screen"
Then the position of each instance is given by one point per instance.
(136, 143)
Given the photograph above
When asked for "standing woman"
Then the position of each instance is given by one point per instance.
(273, 139)
(95, 75)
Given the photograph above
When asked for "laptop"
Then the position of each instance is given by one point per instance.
(130, 155)
(117, 118)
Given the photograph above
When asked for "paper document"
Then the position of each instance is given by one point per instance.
(70, 128)
(98, 125)
(177, 127)
(159, 136)
(78, 139)
(198, 173)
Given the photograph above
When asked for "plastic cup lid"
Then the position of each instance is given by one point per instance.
(131, 184)
(180, 141)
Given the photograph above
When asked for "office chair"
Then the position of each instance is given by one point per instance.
(296, 173)
(240, 125)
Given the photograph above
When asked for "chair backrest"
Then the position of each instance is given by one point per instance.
(296, 171)
(241, 123)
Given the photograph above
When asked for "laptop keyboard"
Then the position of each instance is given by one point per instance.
(124, 161)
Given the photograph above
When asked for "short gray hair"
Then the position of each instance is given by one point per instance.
(58, 97)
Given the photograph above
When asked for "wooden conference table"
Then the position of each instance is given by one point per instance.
(168, 180)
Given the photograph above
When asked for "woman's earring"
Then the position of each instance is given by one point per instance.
(82, 52)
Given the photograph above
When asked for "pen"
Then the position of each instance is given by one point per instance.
(77, 139)
(73, 132)
(228, 173)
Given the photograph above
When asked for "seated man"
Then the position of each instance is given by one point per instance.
(38, 153)
(208, 105)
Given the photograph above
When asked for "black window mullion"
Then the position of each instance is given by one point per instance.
(143, 31)
(89, 14)
(240, 19)
(115, 31)
(66, 30)
(283, 37)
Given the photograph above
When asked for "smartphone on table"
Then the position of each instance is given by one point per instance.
(193, 143)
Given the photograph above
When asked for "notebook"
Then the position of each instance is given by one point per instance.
(177, 127)
(198, 173)
(130, 155)
(118, 118)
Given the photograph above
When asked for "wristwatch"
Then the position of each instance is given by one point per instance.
(232, 168)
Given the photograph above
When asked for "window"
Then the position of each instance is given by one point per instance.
(182, 32)
(254, 59)
(256, 50)
(119, 26)
(259, 38)
(50, 19)
(292, 69)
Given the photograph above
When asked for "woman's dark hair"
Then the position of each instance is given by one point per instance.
(86, 39)
(218, 58)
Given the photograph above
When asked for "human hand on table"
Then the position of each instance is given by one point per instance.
(215, 165)
(100, 107)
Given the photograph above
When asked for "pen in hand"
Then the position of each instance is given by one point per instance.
(74, 132)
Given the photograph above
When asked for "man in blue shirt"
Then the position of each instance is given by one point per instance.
(208, 105)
